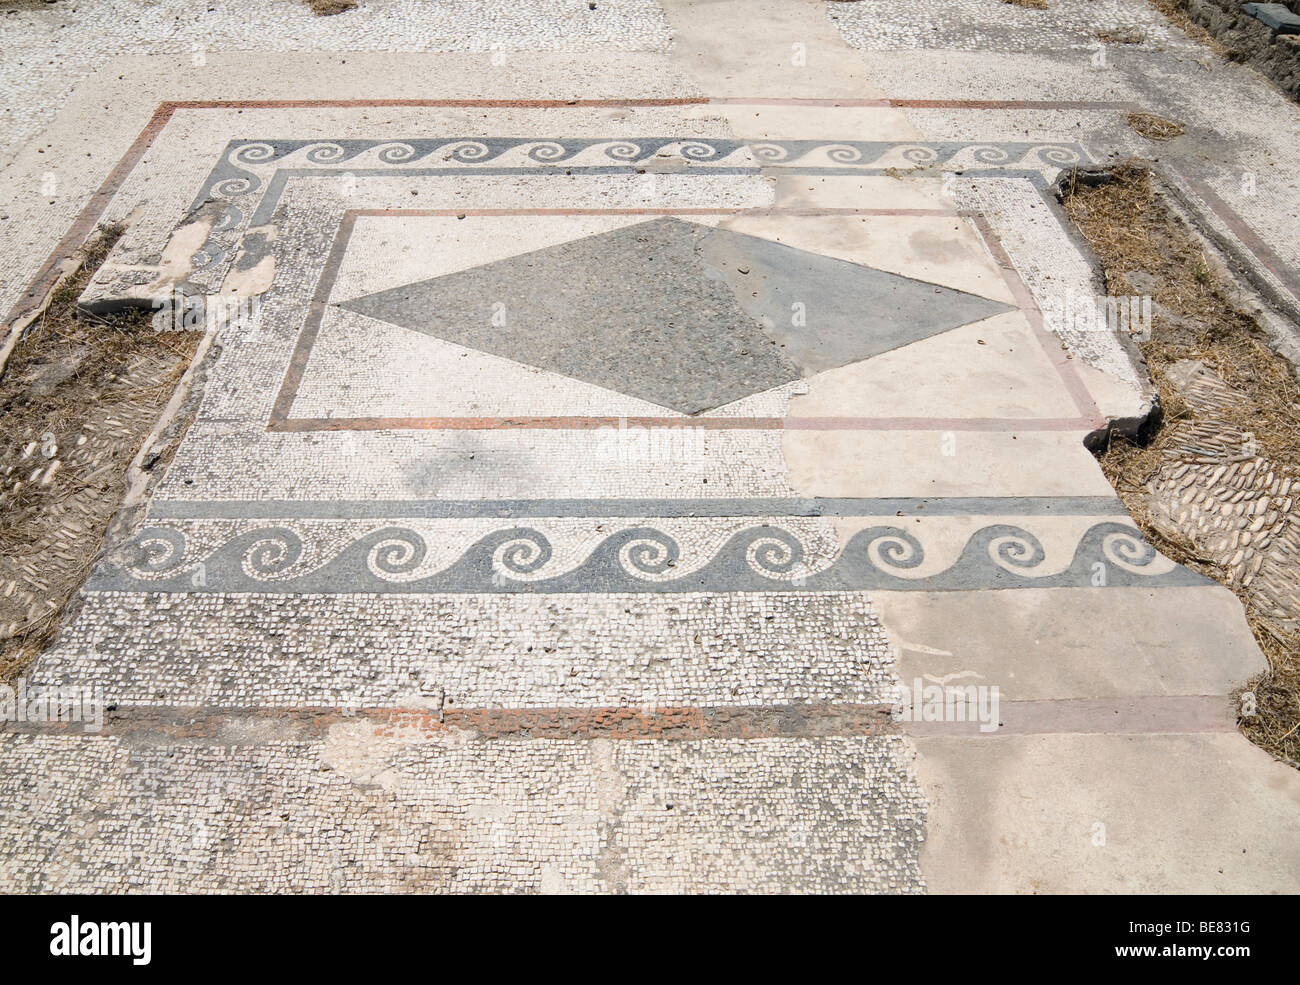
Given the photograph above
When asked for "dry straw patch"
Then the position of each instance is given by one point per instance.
(1154, 127)
(1122, 35)
(1131, 230)
(328, 8)
(79, 394)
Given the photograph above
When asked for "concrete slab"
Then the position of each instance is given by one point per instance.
(1062, 644)
(1278, 16)
(939, 458)
(1108, 814)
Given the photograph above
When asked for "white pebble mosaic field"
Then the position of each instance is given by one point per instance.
(48, 49)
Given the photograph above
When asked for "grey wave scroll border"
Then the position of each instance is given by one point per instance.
(761, 558)
(242, 159)
(249, 167)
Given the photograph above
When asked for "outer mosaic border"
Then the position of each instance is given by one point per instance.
(261, 166)
(249, 178)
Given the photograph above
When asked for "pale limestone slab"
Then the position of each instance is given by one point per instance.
(993, 368)
(836, 191)
(1037, 814)
(937, 462)
(1066, 643)
(939, 249)
(761, 121)
(772, 49)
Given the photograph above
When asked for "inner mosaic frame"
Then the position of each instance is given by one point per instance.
(299, 203)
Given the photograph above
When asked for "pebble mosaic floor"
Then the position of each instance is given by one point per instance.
(557, 569)
(49, 49)
(558, 520)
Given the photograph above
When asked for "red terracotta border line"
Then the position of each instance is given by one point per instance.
(686, 723)
(431, 103)
(1165, 714)
(1008, 424)
(808, 212)
(1154, 714)
(521, 423)
(1249, 238)
(1010, 104)
(295, 425)
(1070, 378)
(808, 720)
(897, 103)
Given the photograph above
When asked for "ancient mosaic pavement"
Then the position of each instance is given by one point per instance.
(556, 367)
(585, 482)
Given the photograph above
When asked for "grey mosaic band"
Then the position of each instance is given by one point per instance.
(638, 559)
(512, 509)
(237, 173)
(250, 175)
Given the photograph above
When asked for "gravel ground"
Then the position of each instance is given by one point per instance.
(46, 49)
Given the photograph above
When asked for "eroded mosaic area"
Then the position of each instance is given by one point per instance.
(402, 812)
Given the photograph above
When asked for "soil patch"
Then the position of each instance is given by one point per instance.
(79, 394)
(1214, 488)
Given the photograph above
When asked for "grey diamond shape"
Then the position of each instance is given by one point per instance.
(676, 313)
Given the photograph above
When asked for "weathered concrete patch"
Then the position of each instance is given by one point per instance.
(1108, 814)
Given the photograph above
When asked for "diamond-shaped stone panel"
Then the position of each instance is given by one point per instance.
(826, 312)
(676, 313)
(630, 310)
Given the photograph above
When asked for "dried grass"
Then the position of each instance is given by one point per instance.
(1154, 127)
(95, 385)
(1122, 35)
(1130, 229)
(1175, 11)
(328, 8)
